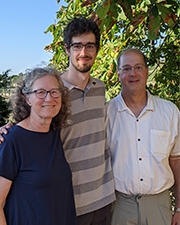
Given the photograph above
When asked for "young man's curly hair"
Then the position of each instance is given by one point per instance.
(79, 26)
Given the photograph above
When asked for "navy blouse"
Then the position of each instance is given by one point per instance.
(41, 191)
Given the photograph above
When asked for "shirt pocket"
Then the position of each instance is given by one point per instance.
(160, 141)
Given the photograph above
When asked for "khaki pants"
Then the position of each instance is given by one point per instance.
(142, 209)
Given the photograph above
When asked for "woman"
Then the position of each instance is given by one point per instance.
(35, 179)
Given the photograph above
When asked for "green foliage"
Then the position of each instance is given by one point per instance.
(150, 25)
(4, 79)
(4, 110)
(4, 104)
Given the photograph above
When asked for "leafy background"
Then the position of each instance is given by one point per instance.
(149, 25)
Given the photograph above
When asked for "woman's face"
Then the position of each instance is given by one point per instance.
(48, 107)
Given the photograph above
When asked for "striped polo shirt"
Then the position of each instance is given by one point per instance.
(84, 144)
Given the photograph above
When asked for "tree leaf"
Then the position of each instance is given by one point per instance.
(50, 29)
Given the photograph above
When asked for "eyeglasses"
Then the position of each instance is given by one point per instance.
(128, 69)
(90, 47)
(42, 93)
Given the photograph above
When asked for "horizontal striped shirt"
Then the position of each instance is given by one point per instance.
(84, 144)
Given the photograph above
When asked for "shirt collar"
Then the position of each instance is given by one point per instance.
(122, 105)
(150, 103)
(90, 83)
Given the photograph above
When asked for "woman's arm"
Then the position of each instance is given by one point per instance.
(5, 185)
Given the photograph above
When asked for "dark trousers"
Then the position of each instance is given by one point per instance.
(99, 217)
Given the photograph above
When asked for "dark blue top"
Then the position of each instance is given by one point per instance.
(41, 191)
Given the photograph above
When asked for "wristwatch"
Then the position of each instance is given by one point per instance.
(177, 209)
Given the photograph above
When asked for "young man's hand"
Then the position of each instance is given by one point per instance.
(3, 130)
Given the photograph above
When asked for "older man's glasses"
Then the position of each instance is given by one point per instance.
(90, 47)
(128, 69)
(42, 93)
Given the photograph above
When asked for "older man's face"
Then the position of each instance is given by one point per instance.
(132, 73)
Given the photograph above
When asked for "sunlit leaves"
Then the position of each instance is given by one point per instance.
(150, 25)
(154, 23)
(157, 12)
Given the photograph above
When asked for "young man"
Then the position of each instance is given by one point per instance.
(84, 138)
(143, 134)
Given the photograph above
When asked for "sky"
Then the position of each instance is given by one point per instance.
(22, 37)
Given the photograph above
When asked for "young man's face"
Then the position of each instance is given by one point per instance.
(82, 60)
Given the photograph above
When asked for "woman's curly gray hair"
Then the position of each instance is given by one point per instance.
(21, 109)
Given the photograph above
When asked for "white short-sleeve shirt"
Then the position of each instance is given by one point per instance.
(141, 147)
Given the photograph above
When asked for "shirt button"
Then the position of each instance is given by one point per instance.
(141, 179)
(137, 120)
(140, 159)
(139, 139)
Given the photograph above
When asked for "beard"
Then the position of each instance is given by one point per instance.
(83, 69)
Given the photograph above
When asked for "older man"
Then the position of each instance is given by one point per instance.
(143, 134)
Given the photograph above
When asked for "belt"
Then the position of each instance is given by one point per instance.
(139, 196)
